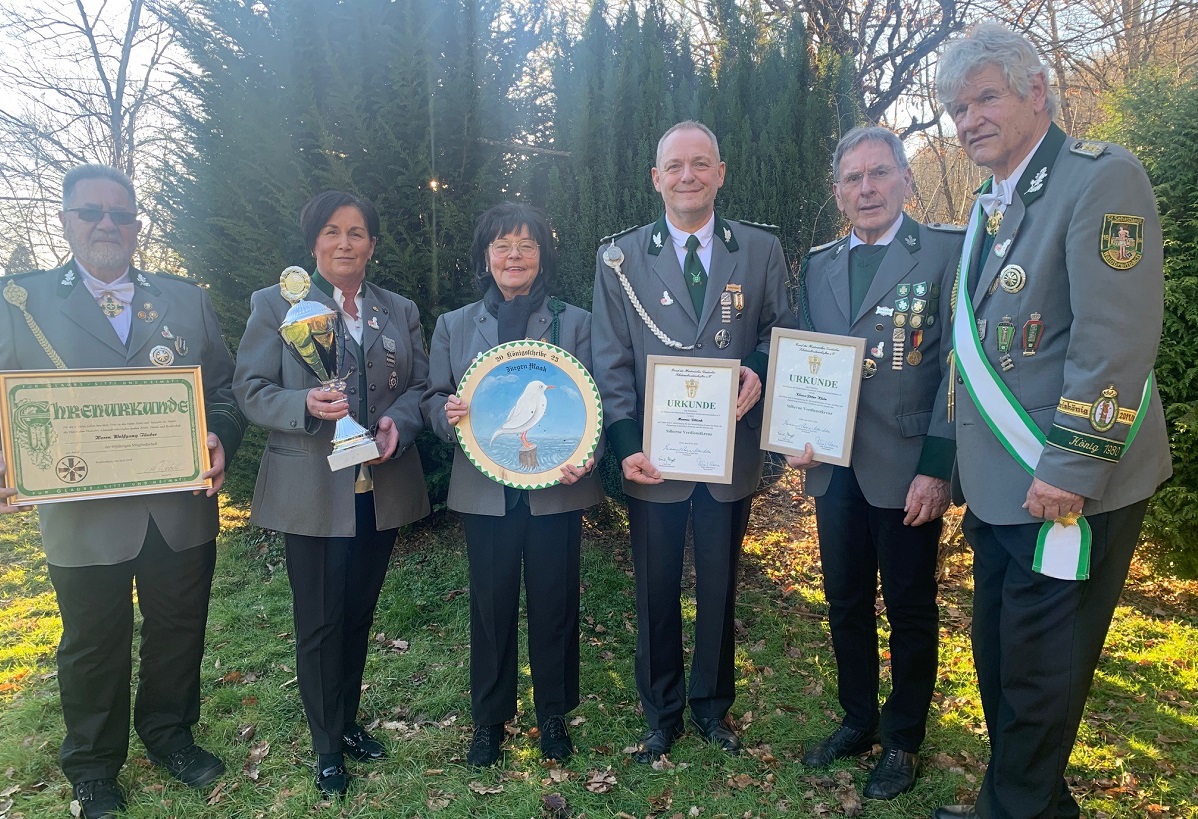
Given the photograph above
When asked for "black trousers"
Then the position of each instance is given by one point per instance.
(548, 548)
(335, 584)
(1036, 643)
(856, 542)
(94, 665)
(658, 532)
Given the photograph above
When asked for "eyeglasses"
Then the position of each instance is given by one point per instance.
(876, 175)
(503, 247)
(118, 217)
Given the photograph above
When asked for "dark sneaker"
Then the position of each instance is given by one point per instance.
(333, 781)
(361, 746)
(555, 740)
(193, 766)
(99, 798)
(486, 745)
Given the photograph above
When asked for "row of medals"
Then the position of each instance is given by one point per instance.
(915, 307)
(733, 297)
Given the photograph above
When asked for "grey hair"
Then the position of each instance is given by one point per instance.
(869, 133)
(687, 125)
(992, 44)
(81, 172)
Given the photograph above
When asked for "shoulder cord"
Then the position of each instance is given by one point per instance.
(16, 295)
(613, 257)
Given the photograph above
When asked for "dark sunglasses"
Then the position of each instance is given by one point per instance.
(118, 217)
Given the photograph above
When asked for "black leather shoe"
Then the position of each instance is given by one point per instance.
(718, 732)
(955, 812)
(99, 798)
(361, 746)
(485, 745)
(555, 740)
(894, 774)
(333, 781)
(656, 744)
(843, 743)
(193, 766)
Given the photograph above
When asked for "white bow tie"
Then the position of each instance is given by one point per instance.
(122, 292)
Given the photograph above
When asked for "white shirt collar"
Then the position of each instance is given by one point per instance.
(704, 233)
(886, 239)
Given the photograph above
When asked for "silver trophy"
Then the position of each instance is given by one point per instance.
(313, 334)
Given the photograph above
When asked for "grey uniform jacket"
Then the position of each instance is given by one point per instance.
(459, 338)
(895, 408)
(1101, 309)
(169, 313)
(296, 491)
(741, 255)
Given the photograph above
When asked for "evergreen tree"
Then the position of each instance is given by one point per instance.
(1155, 116)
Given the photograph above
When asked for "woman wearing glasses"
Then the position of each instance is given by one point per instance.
(514, 260)
(339, 527)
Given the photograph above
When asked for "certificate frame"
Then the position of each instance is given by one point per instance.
(58, 427)
(681, 378)
(803, 354)
(566, 431)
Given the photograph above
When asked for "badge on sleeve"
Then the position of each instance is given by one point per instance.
(1122, 240)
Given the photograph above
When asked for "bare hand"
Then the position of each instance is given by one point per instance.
(327, 405)
(455, 410)
(805, 460)
(572, 474)
(1048, 502)
(638, 469)
(749, 393)
(216, 453)
(927, 499)
(7, 508)
(387, 437)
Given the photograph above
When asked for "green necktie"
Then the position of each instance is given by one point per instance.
(696, 276)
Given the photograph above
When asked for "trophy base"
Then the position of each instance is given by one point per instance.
(365, 450)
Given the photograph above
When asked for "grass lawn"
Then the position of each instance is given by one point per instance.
(1136, 756)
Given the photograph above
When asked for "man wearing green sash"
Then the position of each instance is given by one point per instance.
(1060, 435)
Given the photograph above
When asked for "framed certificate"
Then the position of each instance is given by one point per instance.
(75, 434)
(533, 409)
(811, 394)
(690, 416)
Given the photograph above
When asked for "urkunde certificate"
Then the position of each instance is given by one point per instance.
(811, 394)
(72, 434)
(690, 417)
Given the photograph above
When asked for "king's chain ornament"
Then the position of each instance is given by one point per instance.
(313, 333)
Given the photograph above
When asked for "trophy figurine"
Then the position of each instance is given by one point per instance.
(312, 332)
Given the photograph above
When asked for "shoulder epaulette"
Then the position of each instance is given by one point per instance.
(22, 275)
(825, 246)
(945, 226)
(762, 225)
(178, 277)
(1088, 147)
(618, 234)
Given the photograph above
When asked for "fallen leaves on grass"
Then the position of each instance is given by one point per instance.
(480, 788)
(601, 781)
(253, 759)
(438, 799)
(554, 806)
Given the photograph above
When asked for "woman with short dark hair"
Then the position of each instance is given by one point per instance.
(514, 260)
(339, 526)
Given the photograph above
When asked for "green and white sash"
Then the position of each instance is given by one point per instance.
(1062, 551)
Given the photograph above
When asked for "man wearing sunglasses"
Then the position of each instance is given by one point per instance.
(97, 311)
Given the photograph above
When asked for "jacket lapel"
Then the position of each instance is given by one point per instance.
(81, 309)
(723, 266)
(669, 273)
(372, 311)
(897, 262)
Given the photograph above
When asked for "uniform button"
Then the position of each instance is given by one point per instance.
(960, 380)
(542, 319)
(293, 424)
(372, 386)
(699, 345)
(879, 327)
(385, 310)
(353, 390)
(369, 364)
(372, 410)
(482, 320)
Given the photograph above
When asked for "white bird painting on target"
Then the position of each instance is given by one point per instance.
(527, 412)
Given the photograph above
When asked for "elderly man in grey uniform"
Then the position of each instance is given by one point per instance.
(888, 282)
(1060, 435)
(97, 311)
(693, 284)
